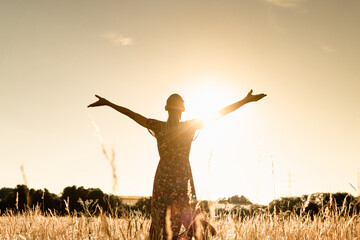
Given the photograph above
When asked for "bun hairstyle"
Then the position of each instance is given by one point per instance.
(175, 102)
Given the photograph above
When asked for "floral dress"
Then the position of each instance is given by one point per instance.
(174, 195)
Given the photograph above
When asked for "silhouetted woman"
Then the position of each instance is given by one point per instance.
(174, 195)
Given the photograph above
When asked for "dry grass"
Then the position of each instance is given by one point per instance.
(33, 225)
(291, 227)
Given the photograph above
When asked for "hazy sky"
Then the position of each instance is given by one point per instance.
(305, 54)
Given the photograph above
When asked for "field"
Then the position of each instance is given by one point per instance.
(33, 225)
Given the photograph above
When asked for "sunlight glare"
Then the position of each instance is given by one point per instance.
(205, 99)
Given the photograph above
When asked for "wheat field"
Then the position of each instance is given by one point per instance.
(329, 223)
(33, 225)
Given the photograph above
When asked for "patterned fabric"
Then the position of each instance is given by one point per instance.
(173, 189)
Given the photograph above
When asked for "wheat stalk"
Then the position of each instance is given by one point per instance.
(110, 158)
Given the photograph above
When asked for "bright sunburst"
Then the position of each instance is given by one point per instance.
(204, 100)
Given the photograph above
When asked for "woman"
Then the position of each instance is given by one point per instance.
(174, 198)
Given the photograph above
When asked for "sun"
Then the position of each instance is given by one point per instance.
(204, 101)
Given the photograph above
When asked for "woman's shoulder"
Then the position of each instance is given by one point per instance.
(152, 120)
(155, 124)
(194, 123)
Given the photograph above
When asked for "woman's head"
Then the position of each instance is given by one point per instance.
(175, 103)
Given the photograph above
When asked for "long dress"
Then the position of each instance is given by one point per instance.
(173, 195)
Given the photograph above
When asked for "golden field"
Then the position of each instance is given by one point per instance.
(325, 225)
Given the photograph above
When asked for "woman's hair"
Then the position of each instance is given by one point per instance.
(175, 102)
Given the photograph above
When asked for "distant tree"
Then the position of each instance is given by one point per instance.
(95, 194)
(115, 205)
(344, 202)
(98, 198)
(286, 204)
(36, 198)
(7, 199)
(51, 201)
(223, 200)
(239, 200)
(4, 192)
(45, 200)
(71, 196)
(14, 199)
(143, 205)
(21, 197)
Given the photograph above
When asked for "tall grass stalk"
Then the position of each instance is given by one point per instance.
(23, 174)
(110, 158)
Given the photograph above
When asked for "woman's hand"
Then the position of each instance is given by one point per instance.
(100, 102)
(253, 98)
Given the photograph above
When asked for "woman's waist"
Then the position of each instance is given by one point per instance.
(174, 163)
(168, 158)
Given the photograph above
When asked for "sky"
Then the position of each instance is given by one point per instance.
(300, 139)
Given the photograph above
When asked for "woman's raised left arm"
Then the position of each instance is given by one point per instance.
(200, 123)
(232, 107)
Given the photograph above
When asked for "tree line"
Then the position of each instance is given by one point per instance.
(341, 203)
(92, 201)
(72, 200)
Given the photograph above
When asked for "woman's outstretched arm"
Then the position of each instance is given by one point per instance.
(200, 123)
(141, 120)
(232, 107)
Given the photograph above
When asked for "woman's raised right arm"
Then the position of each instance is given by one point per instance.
(141, 120)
